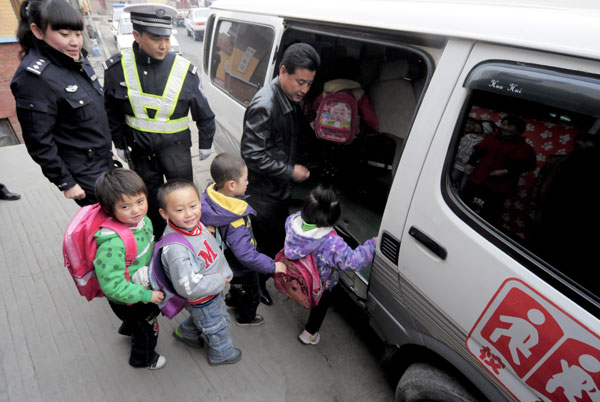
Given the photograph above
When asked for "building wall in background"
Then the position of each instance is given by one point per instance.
(8, 20)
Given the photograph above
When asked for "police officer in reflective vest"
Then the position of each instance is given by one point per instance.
(149, 93)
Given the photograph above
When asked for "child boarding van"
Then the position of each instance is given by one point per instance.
(481, 178)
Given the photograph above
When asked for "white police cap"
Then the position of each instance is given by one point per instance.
(153, 18)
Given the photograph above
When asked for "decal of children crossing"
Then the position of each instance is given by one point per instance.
(535, 349)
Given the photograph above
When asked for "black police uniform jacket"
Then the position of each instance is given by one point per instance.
(153, 75)
(60, 107)
(269, 142)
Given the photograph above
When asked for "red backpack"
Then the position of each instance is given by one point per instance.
(79, 247)
(337, 118)
(301, 282)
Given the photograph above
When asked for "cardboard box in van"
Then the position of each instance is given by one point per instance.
(480, 180)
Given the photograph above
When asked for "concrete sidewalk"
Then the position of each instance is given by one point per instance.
(55, 346)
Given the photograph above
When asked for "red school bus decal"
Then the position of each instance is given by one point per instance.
(535, 349)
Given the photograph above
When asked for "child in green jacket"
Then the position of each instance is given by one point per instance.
(123, 195)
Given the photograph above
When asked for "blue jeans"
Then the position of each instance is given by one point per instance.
(213, 320)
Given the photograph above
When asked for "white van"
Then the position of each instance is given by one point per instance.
(477, 303)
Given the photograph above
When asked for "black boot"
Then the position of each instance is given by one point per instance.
(124, 330)
(7, 195)
(265, 297)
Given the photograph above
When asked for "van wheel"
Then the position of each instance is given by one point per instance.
(188, 32)
(198, 35)
(424, 383)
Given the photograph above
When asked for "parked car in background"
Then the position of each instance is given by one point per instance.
(125, 35)
(180, 18)
(117, 10)
(195, 22)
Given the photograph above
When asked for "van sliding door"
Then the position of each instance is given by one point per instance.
(242, 52)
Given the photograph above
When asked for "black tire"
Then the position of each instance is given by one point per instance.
(188, 32)
(422, 382)
(198, 35)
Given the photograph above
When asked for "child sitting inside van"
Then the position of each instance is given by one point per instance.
(311, 232)
(473, 135)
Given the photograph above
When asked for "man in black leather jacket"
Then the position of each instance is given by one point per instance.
(269, 147)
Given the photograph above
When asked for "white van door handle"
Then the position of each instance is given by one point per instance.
(428, 242)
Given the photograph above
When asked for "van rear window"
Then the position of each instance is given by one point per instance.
(526, 160)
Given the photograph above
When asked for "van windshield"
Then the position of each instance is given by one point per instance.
(117, 13)
(125, 27)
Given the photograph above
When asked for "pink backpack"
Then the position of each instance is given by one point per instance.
(337, 118)
(301, 282)
(79, 247)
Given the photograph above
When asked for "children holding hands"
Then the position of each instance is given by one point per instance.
(122, 195)
(200, 277)
(225, 208)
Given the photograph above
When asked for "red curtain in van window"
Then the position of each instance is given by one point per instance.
(547, 139)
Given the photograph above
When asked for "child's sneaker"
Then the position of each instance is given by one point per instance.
(309, 339)
(158, 363)
(196, 344)
(235, 357)
(258, 320)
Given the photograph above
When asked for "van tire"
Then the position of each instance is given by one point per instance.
(422, 382)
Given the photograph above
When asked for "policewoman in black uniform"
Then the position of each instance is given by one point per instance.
(60, 104)
(149, 94)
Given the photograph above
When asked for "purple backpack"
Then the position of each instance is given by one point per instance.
(172, 304)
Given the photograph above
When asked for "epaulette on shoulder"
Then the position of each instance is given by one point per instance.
(114, 59)
(193, 69)
(38, 65)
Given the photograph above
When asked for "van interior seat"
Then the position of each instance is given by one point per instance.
(393, 98)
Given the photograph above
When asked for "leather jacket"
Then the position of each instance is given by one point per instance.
(269, 143)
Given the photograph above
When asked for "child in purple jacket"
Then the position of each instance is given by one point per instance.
(224, 207)
(311, 232)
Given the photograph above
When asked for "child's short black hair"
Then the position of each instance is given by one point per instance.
(516, 121)
(171, 186)
(226, 166)
(111, 186)
(321, 207)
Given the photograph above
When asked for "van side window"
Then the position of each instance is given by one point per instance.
(526, 160)
(240, 58)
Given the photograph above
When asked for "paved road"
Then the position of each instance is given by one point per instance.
(54, 346)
